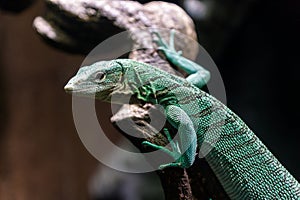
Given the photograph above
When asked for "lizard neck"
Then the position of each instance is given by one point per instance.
(142, 82)
(152, 85)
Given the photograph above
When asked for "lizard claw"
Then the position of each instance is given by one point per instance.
(168, 49)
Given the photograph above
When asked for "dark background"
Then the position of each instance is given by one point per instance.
(260, 68)
(255, 45)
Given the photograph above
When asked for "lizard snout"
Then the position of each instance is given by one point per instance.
(69, 87)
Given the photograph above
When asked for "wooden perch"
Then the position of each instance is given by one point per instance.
(77, 26)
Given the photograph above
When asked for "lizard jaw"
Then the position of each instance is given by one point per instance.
(71, 89)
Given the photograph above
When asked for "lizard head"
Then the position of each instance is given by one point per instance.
(99, 80)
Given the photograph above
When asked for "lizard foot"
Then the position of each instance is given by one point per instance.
(163, 46)
(175, 153)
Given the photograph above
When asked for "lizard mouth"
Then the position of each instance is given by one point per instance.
(79, 92)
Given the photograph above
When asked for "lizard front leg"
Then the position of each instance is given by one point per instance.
(184, 153)
(198, 76)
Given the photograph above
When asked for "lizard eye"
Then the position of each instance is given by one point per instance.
(100, 76)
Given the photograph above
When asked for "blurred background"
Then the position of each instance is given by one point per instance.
(255, 44)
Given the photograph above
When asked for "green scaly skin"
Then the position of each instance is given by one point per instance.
(242, 163)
